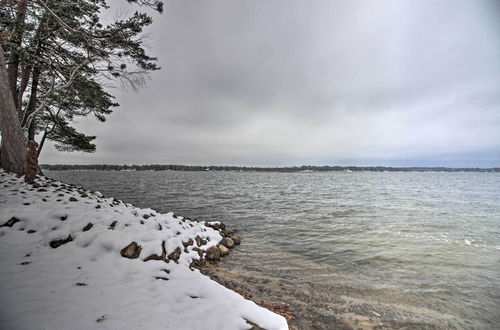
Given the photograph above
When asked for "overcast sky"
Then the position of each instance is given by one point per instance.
(278, 83)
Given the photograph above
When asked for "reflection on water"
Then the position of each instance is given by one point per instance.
(420, 247)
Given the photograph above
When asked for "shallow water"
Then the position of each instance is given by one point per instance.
(412, 248)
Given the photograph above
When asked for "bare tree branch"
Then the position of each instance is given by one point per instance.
(52, 88)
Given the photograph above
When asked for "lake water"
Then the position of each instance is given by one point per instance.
(357, 249)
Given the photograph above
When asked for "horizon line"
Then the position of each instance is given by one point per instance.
(275, 167)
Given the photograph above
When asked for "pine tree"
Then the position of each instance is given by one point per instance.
(60, 56)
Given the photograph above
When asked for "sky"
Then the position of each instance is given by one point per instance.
(285, 83)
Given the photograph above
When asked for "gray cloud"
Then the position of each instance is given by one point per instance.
(295, 82)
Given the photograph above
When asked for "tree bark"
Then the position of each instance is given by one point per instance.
(33, 96)
(23, 84)
(13, 149)
(42, 141)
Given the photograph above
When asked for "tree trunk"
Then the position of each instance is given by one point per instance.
(32, 100)
(23, 84)
(32, 130)
(42, 141)
(47, 132)
(14, 59)
(13, 149)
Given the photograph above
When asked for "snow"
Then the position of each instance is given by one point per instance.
(87, 284)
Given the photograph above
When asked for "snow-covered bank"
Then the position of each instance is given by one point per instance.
(61, 265)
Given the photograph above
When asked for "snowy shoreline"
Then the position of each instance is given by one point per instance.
(73, 259)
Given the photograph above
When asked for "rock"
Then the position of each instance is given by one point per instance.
(175, 255)
(157, 257)
(200, 241)
(101, 318)
(223, 250)
(161, 278)
(188, 243)
(237, 240)
(146, 216)
(98, 206)
(73, 199)
(88, 226)
(216, 226)
(196, 264)
(11, 222)
(113, 224)
(58, 242)
(131, 251)
(213, 253)
(64, 217)
(153, 257)
(227, 233)
(227, 242)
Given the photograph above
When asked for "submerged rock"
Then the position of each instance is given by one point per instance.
(131, 251)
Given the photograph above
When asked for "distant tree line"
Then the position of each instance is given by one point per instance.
(157, 167)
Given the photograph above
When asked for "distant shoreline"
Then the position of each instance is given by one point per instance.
(305, 168)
